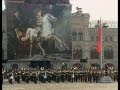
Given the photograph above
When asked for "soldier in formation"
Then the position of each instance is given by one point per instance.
(58, 75)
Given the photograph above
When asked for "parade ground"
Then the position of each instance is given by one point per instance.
(61, 86)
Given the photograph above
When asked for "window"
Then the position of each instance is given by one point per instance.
(94, 54)
(77, 53)
(108, 53)
(80, 36)
(74, 36)
(105, 38)
(92, 38)
(108, 38)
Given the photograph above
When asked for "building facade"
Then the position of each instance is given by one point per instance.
(84, 39)
(79, 34)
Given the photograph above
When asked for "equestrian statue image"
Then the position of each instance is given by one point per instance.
(41, 29)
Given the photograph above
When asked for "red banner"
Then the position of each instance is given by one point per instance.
(98, 45)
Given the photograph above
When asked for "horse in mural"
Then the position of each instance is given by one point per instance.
(46, 32)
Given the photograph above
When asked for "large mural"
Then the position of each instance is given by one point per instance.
(37, 27)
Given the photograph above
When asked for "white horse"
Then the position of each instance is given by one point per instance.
(32, 35)
(47, 32)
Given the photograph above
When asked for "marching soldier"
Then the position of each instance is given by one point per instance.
(73, 76)
(23, 76)
(90, 76)
(18, 77)
(99, 75)
(80, 74)
(49, 76)
(11, 78)
(57, 77)
(93, 74)
(54, 76)
(115, 76)
(85, 76)
(27, 77)
(40, 76)
(66, 76)
(88, 73)
(35, 78)
(62, 76)
(96, 76)
(69, 76)
(45, 77)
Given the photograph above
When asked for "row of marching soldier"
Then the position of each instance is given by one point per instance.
(58, 75)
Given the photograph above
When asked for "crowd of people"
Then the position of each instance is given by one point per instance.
(42, 75)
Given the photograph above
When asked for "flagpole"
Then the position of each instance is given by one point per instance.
(101, 44)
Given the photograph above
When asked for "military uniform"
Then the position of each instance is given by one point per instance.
(85, 76)
(10, 78)
(66, 76)
(35, 78)
(49, 77)
(96, 76)
(44, 77)
(18, 77)
(27, 77)
(57, 77)
(62, 77)
(40, 76)
(72, 76)
(69, 77)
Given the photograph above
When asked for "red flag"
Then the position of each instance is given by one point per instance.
(98, 45)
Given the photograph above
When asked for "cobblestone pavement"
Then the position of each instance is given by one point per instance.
(60, 86)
